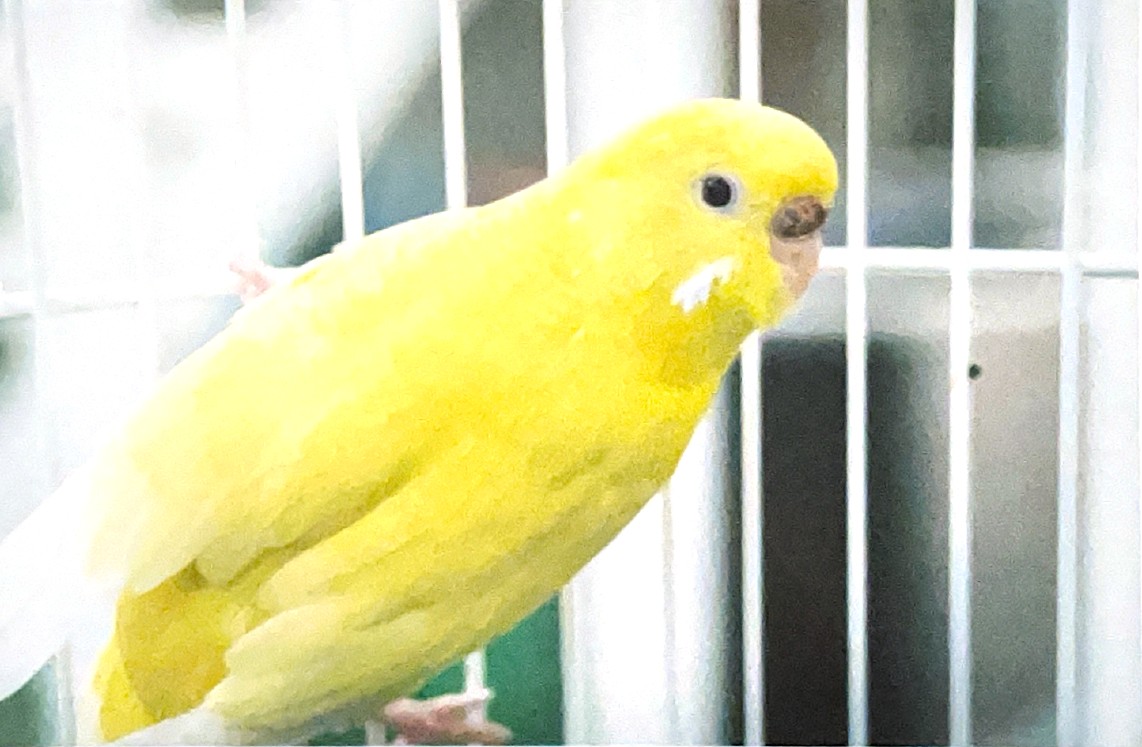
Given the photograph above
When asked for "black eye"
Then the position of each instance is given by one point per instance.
(717, 191)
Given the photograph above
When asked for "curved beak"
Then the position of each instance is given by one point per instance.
(798, 259)
(795, 241)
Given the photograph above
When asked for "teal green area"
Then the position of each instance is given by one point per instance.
(524, 673)
(350, 737)
(28, 717)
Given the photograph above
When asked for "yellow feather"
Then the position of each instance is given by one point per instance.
(387, 461)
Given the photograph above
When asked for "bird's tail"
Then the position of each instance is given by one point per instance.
(44, 591)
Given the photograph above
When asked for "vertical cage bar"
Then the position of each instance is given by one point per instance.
(556, 145)
(749, 50)
(348, 132)
(1074, 123)
(456, 197)
(625, 683)
(27, 157)
(753, 555)
(554, 86)
(1138, 260)
(24, 130)
(248, 233)
(452, 91)
(137, 229)
(856, 334)
(959, 397)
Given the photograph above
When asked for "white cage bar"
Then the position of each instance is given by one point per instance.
(138, 229)
(349, 174)
(1066, 631)
(856, 343)
(556, 151)
(452, 91)
(248, 237)
(34, 303)
(1108, 617)
(650, 630)
(752, 489)
(903, 259)
(959, 397)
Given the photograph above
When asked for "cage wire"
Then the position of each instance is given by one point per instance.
(655, 669)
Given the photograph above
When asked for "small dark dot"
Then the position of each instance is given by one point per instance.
(974, 371)
(717, 192)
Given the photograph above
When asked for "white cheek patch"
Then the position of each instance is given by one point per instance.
(695, 290)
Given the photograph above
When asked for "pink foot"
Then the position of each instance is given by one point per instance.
(255, 277)
(444, 720)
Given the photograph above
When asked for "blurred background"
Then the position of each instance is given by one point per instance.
(133, 169)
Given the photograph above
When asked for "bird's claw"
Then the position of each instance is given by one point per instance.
(254, 278)
(446, 719)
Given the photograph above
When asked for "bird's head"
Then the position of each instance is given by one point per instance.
(726, 200)
(709, 214)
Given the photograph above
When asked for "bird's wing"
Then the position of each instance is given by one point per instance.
(457, 555)
(232, 454)
(286, 427)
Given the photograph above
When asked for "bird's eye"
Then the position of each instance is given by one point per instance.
(719, 192)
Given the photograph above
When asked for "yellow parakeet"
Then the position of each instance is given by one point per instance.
(395, 455)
